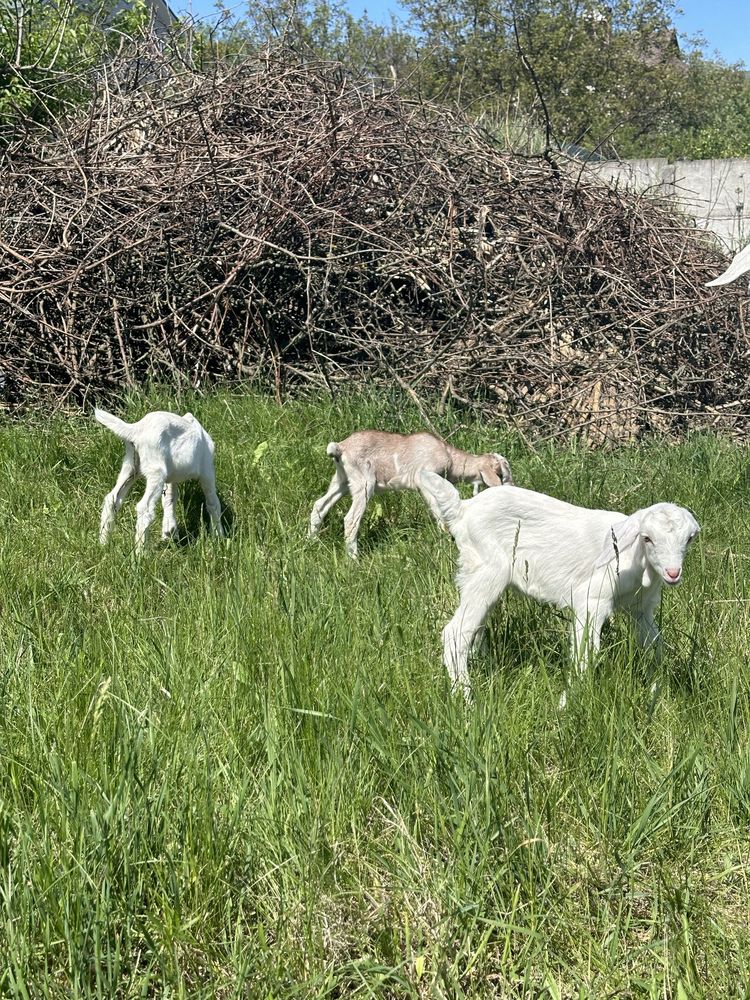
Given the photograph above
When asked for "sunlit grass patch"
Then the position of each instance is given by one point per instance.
(236, 769)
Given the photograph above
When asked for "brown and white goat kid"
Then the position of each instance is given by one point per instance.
(369, 462)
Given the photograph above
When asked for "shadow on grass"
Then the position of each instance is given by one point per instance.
(195, 519)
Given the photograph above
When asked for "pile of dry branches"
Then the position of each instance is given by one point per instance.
(284, 222)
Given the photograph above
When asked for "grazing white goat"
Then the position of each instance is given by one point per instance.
(591, 561)
(369, 462)
(166, 449)
(740, 265)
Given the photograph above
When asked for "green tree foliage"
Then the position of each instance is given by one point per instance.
(712, 117)
(323, 29)
(48, 51)
(608, 75)
(611, 74)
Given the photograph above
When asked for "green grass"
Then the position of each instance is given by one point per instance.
(236, 770)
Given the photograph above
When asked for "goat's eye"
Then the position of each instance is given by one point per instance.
(647, 540)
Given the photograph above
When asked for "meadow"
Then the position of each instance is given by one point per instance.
(235, 769)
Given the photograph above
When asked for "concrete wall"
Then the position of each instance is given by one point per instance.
(713, 192)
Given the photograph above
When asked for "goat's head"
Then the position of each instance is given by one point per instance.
(496, 470)
(664, 531)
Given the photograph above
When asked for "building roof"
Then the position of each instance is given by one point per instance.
(164, 16)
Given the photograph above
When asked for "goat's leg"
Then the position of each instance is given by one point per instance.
(646, 630)
(213, 504)
(481, 643)
(339, 487)
(647, 633)
(168, 501)
(362, 490)
(113, 500)
(479, 591)
(146, 509)
(585, 639)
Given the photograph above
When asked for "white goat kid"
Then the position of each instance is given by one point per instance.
(369, 462)
(166, 449)
(738, 266)
(591, 561)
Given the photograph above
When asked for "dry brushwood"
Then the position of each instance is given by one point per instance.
(286, 223)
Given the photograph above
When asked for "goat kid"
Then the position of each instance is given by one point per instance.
(369, 462)
(738, 266)
(166, 449)
(591, 561)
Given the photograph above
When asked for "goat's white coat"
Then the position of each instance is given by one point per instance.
(369, 462)
(166, 449)
(740, 265)
(591, 561)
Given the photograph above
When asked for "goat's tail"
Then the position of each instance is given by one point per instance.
(442, 498)
(334, 450)
(111, 422)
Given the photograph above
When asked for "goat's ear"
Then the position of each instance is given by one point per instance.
(505, 474)
(490, 478)
(620, 537)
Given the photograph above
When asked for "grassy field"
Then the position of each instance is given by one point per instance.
(236, 770)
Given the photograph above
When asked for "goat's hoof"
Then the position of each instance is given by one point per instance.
(563, 701)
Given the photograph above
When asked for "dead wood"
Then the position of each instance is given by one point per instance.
(286, 223)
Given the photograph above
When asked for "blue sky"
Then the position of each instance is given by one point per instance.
(725, 24)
